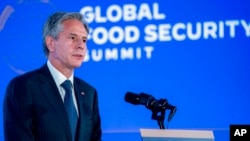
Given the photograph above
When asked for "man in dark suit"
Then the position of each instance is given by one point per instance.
(35, 106)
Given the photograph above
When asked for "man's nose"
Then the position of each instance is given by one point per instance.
(81, 45)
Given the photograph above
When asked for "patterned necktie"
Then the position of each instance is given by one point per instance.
(69, 106)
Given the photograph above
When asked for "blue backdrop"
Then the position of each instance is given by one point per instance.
(193, 53)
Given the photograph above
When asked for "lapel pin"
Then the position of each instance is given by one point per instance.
(82, 93)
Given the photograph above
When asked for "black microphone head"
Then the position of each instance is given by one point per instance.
(146, 96)
(132, 98)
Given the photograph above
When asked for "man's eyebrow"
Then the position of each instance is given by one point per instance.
(74, 34)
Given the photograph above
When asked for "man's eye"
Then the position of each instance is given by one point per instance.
(73, 38)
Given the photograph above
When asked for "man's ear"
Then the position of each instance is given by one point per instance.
(50, 42)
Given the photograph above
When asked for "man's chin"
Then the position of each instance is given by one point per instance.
(78, 66)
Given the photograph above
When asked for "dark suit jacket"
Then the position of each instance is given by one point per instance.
(34, 110)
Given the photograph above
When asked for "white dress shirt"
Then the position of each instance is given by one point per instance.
(59, 78)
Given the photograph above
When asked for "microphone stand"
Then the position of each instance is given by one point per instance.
(159, 113)
(160, 118)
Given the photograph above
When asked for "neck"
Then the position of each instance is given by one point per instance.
(66, 71)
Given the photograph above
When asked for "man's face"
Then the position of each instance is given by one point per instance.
(68, 51)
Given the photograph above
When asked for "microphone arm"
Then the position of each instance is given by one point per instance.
(159, 113)
(158, 107)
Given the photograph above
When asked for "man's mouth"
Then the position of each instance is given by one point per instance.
(78, 56)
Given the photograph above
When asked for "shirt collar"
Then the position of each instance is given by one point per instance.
(58, 76)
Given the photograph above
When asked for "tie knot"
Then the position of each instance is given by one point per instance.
(67, 85)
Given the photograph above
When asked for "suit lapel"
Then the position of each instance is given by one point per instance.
(80, 93)
(50, 90)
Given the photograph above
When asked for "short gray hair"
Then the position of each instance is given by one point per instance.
(53, 25)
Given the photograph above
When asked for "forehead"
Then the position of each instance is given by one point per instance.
(73, 26)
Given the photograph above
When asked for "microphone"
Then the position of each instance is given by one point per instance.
(149, 101)
(154, 105)
(142, 99)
